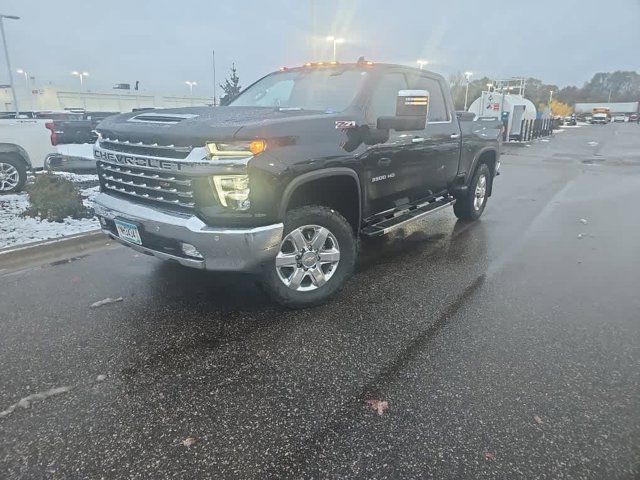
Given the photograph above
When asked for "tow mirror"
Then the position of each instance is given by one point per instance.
(412, 108)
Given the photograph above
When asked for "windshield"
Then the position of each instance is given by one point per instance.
(326, 89)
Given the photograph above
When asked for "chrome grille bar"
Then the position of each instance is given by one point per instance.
(142, 174)
(158, 188)
(147, 196)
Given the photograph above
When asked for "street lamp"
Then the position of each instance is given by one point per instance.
(467, 75)
(6, 54)
(335, 41)
(421, 63)
(81, 75)
(26, 76)
(191, 85)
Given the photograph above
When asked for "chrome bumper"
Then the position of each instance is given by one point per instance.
(222, 249)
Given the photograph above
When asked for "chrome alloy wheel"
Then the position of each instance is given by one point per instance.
(481, 192)
(308, 258)
(9, 177)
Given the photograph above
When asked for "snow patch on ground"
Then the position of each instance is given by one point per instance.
(18, 230)
(84, 150)
(75, 177)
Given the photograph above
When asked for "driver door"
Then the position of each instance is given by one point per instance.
(396, 172)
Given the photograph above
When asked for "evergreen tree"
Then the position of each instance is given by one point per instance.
(231, 87)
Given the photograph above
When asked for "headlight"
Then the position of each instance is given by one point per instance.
(236, 149)
(232, 190)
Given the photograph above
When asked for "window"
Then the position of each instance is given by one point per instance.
(438, 111)
(325, 89)
(385, 94)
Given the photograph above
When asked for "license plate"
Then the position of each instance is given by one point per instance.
(128, 231)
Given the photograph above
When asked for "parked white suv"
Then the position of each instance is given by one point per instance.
(24, 145)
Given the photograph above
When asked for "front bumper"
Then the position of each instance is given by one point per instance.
(164, 232)
(68, 163)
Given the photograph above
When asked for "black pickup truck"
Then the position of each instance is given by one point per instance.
(284, 180)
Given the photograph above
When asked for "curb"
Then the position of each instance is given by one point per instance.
(37, 252)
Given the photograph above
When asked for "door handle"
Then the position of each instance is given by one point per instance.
(384, 162)
(417, 140)
(455, 135)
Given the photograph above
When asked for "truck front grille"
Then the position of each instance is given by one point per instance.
(139, 148)
(147, 186)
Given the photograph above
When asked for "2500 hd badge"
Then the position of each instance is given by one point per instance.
(379, 178)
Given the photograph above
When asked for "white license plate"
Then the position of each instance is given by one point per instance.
(128, 232)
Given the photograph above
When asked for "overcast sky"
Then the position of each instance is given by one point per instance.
(162, 43)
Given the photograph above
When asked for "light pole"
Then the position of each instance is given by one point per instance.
(26, 77)
(421, 63)
(335, 41)
(191, 85)
(26, 82)
(81, 75)
(214, 78)
(467, 75)
(6, 54)
(550, 100)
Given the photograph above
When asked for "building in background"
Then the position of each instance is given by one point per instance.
(55, 98)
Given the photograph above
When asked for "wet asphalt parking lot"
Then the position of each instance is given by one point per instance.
(508, 348)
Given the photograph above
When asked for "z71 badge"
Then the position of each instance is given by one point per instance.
(345, 124)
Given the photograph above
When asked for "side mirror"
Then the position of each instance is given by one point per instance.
(412, 108)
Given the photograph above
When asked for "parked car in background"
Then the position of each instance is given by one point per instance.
(634, 117)
(70, 126)
(24, 145)
(570, 120)
(600, 118)
(96, 117)
(620, 118)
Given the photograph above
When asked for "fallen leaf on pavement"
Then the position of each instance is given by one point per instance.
(106, 301)
(378, 405)
(489, 456)
(187, 442)
(537, 419)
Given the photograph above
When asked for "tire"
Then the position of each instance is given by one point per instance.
(296, 278)
(13, 175)
(469, 206)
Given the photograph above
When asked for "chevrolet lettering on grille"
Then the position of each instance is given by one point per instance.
(132, 160)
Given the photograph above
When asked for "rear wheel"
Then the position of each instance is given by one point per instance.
(471, 205)
(13, 175)
(316, 256)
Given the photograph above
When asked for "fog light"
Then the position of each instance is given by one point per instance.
(190, 251)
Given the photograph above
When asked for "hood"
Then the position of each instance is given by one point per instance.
(193, 126)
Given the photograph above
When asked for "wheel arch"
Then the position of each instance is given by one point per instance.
(293, 194)
(15, 151)
(489, 156)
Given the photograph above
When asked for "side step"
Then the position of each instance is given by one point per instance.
(385, 226)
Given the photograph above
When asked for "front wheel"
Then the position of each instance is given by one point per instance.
(13, 175)
(471, 205)
(316, 256)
